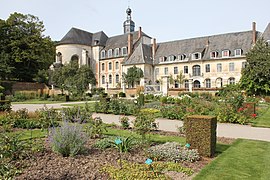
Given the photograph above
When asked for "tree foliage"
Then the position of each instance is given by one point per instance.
(134, 74)
(256, 76)
(72, 78)
(24, 49)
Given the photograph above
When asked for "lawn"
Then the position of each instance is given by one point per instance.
(245, 159)
(263, 120)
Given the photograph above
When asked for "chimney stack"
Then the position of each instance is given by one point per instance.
(254, 33)
(140, 33)
(130, 43)
(154, 48)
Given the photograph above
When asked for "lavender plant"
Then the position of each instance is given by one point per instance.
(67, 140)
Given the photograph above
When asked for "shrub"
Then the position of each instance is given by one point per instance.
(122, 94)
(5, 105)
(7, 169)
(11, 146)
(96, 127)
(115, 106)
(172, 112)
(143, 123)
(68, 140)
(173, 151)
(76, 114)
(201, 133)
(103, 143)
(124, 122)
(141, 171)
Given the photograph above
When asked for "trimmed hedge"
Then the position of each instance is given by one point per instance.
(201, 133)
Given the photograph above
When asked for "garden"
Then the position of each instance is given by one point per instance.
(69, 143)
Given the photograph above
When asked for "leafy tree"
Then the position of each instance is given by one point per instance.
(256, 75)
(24, 49)
(72, 78)
(133, 75)
(180, 78)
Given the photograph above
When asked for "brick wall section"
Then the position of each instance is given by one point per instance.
(201, 134)
(25, 86)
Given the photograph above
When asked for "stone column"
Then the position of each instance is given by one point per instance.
(165, 84)
(190, 84)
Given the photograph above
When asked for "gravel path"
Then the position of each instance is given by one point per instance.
(223, 130)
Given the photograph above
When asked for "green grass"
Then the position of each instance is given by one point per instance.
(36, 101)
(263, 120)
(245, 159)
(152, 137)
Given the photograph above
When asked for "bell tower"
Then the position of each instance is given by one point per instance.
(129, 25)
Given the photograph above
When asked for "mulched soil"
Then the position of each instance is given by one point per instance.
(50, 165)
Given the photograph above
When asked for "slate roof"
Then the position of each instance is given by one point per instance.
(142, 54)
(121, 40)
(266, 33)
(78, 36)
(229, 41)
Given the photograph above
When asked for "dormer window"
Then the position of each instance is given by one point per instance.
(103, 54)
(225, 53)
(196, 55)
(124, 51)
(238, 52)
(171, 58)
(116, 52)
(213, 54)
(110, 53)
(163, 59)
(182, 57)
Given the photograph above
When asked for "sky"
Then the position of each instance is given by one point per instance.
(164, 20)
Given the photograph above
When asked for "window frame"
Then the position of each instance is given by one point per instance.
(213, 54)
(110, 53)
(116, 52)
(185, 69)
(166, 70)
(103, 54)
(117, 78)
(207, 68)
(219, 67)
(236, 54)
(175, 70)
(110, 66)
(124, 51)
(207, 83)
(196, 70)
(231, 67)
(102, 66)
(195, 54)
(103, 79)
(110, 79)
(116, 65)
(223, 53)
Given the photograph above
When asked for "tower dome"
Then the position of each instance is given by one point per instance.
(129, 25)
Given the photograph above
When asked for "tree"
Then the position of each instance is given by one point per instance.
(256, 75)
(24, 49)
(133, 75)
(180, 78)
(72, 78)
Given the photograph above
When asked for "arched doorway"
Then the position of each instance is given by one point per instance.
(74, 59)
(219, 82)
(196, 84)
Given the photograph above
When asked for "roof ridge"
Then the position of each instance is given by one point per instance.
(215, 35)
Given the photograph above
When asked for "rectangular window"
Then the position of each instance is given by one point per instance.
(196, 56)
(157, 71)
(231, 66)
(219, 67)
(207, 68)
(186, 84)
(124, 51)
(225, 53)
(166, 70)
(208, 83)
(185, 69)
(110, 79)
(238, 52)
(175, 70)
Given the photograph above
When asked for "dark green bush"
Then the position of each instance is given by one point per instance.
(5, 105)
(124, 122)
(122, 94)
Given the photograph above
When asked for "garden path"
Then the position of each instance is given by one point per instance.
(223, 130)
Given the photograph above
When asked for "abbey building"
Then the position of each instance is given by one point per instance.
(203, 63)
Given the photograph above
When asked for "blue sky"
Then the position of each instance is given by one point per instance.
(165, 20)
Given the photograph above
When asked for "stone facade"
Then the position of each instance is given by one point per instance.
(204, 62)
